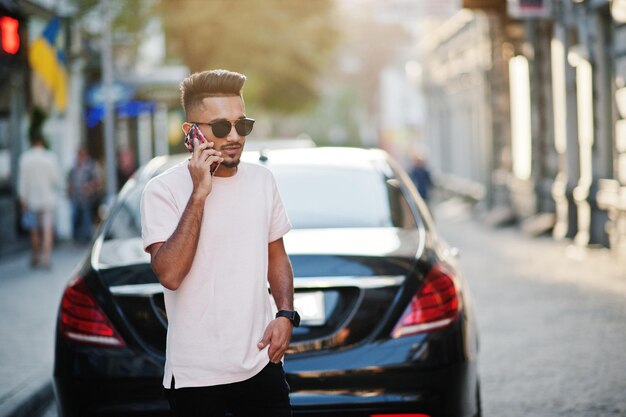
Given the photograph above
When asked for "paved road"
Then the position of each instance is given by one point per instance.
(29, 301)
(552, 321)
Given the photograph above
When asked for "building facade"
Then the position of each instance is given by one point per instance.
(142, 105)
(543, 124)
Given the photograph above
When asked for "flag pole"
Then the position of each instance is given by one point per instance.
(109, 115)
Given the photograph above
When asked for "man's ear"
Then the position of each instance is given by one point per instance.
(186, 126)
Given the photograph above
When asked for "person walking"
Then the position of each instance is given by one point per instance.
(214, 228)
(420, 174)
(39, 184)
(85, 182)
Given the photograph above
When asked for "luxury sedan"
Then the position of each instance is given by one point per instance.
(387, 325)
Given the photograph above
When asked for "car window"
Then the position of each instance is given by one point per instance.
(401, 214)
(313, 197)
(125, 217)
(340, 198)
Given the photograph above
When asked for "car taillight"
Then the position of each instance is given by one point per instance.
(82, 319)
(436, 305)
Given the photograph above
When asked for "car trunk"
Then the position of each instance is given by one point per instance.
(345, 280)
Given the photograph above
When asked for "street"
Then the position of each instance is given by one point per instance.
(552, 321)
(508, 115)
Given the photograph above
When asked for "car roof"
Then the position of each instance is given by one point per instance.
(327, 156)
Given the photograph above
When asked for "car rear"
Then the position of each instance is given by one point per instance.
(386, 328)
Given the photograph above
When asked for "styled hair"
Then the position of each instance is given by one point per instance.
(213, 83)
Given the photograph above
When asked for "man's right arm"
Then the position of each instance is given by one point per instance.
(171, 260)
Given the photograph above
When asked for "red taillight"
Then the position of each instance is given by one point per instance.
(82, 319)
(436, 305)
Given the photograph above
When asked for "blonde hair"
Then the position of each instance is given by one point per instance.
(213, 83)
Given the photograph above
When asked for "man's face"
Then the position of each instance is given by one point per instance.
(215, 109)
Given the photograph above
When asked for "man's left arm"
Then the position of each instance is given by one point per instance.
(280, 276)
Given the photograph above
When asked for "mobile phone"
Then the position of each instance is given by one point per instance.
(194, 132)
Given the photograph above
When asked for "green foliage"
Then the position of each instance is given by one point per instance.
(130, 17)
(281, 45)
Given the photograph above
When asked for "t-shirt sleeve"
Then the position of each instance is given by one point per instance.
(159, 214)
(280, 224)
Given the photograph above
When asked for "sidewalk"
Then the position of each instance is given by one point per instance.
(551, 319)
(591, 268)
(29, 302)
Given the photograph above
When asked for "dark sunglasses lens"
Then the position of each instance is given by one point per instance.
(244, 126)
(221, 129)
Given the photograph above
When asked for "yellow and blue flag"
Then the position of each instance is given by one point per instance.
(49, 65)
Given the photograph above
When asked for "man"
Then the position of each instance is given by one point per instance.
(85, 182)
(420, 174)
(38, 187)
(215, 241)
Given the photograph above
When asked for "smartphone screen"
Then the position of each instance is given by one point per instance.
(193, 133)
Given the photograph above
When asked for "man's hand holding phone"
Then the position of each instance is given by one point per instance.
(202, 158)
(193, 133)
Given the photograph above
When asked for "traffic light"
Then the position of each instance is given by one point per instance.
(9, 35)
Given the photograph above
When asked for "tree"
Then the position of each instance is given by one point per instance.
(281, 45)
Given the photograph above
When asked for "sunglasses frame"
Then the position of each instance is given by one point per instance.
(232, 123)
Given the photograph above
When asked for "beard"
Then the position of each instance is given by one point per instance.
(231, 163)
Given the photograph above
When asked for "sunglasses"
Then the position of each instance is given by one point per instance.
(222, 128)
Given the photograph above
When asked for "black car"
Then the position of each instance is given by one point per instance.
(387, 324)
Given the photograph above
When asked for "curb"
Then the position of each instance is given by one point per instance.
(31, 401)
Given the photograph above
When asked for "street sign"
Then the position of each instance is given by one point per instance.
(120, 92)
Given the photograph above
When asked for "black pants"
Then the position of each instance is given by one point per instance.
(264, 395)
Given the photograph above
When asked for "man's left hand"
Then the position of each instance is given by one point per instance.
(277, 335)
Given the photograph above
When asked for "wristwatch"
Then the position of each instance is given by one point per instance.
(293, 316)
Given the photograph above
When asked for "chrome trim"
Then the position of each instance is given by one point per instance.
(140, 290)
(379, 281)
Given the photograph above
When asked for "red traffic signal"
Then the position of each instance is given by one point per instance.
(9, 35)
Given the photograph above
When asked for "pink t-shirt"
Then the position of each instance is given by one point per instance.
(221, 309)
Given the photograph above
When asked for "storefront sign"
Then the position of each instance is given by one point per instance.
(529, 9)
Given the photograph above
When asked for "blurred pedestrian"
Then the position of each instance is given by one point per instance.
(126, 165)
(420, 174)
(215, 241)
(39, 184)
(84, 187)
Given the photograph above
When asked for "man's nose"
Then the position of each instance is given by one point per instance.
(232, 136)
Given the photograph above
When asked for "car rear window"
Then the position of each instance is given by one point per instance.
(314, 197)
(335, 197)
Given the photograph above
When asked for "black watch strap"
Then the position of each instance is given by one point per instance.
(293, 316)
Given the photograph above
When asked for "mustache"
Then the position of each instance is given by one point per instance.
(230, 147)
